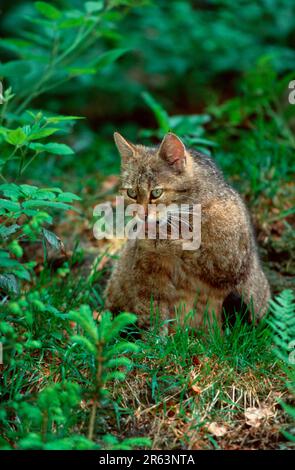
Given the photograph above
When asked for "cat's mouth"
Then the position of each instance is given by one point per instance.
(165, 224)
(147, 225)
(168, 226)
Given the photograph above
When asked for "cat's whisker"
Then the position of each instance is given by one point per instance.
(182, 221)
(172, 223)
(181, 213)
(180, 210)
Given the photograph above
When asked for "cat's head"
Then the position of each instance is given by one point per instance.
(154, 174)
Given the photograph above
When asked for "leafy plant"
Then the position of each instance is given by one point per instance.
(49, 420)
(23, 209)
(102, 353)
(282, 322)
(61, 39)
(190, 127)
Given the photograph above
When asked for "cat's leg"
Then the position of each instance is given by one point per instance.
(209, 309)
(119, 294)
(232, 305)
(115, 295)
(202, 310)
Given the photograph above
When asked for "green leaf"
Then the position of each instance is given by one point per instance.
(72, 22)
(10, 190)
(85, 343)
(53, 204)
(159, 112)
(28, 190)
(54, 148)
(8, 282)
(44, 195)
(54, 190)
(33, 344)
(16, 137)
(121, 348)
(289, 409)
(6, 261)
(108, 58)
(84, 318)
(53, 239)
(116, 375)
(15, 248)
(5, 232)
(31, 441)
(15, 44)
(68, 197)
(21, 273)
(40, 22)
(119, 362)
(40, 134)
(9, 205)
(91, 7)
(15, 68)
(81, 71)
(47, 10)
(55, 119)
(137, 442)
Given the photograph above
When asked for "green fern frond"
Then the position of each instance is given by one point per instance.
(282, 322)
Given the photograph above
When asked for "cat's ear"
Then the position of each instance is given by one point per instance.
(172, 150)
(126, 149)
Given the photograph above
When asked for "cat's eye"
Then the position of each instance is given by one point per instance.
(131, 193)
(155, 193)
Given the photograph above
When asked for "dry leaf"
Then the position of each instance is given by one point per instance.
(195, 360)
(96, 315)
(194, 383)
(217, 430)
(254, 416)
(196, 389)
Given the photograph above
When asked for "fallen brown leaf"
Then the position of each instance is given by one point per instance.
(196, 389)
(217, 429)
(254, 416)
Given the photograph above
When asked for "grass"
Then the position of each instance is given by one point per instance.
(194, 391)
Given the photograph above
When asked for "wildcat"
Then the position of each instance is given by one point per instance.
(159, 272)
